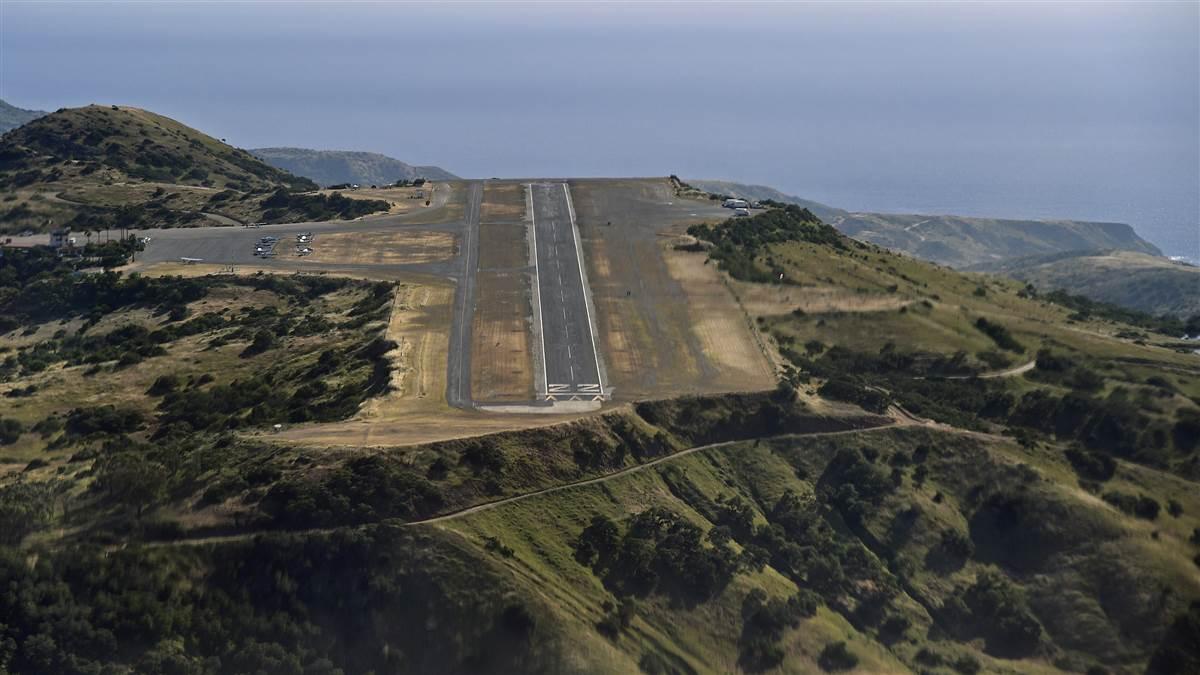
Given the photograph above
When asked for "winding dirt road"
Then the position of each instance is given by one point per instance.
(898, 421)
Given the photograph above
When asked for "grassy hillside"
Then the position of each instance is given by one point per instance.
(12, 117)
(955, 475)
(1134, 280)
(955, 240)
(110, 166)
(334, 167)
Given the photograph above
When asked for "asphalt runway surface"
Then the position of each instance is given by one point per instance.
(234, 245)
(458, 366)
(568, 346)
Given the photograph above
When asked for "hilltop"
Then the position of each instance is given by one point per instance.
(335, 167)
(114, 166)
(12, 117)
(956, 241)
(1127, 278)
(955, 474)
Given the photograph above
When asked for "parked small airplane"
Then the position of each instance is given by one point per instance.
(190, 261)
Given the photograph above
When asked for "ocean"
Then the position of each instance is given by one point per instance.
(1030, 110)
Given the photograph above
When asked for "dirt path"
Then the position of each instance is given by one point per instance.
(1011, 372)
(900, 420)
(627, 471)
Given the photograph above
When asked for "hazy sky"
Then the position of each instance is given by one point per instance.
(1033, 110)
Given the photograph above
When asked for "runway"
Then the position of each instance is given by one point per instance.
(458, 368)
(570, 363)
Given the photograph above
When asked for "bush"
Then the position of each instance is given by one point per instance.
(10, 431)
(518, 620)
(835, 656)
(165, 384)
(738, 242)
(1091, 465)
(845, 390)
(263, 340)
(659, 552)
(1140, 506)
(106, 420)
(364, 489)
(999, 335)
(994, 608)
(966, 664)
(765, 620)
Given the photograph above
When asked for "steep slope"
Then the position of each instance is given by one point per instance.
(956, 241)
(12, 117)
(334, 167)
(109, 166)
(1126, 278)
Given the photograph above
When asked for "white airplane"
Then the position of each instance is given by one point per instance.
(191, 261)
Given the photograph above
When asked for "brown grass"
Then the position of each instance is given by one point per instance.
(667, 326)
(419, 325)
(502, 201)
(724, 330)
(401, 199)
(284, 266)
(501, 362)
(503, 247)
(381, 248)
(769, 299)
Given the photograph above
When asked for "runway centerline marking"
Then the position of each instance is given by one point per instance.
(564, 337)
(583, 282)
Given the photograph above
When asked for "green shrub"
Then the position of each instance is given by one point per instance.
(836, 656)
(1141, 506)
(10, 431)
(1000, 335)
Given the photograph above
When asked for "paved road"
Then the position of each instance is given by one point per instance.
(458, 366)
(569, 357)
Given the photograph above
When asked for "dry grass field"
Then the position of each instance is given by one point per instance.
(503, 247)
(502, 202)
(502, 357)
(501, 362)
(743, 363)
(418, 326)
(284, 266)
(447, 201)
(769, 299)
(668, 324)
(383, 248)
(403, 200)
